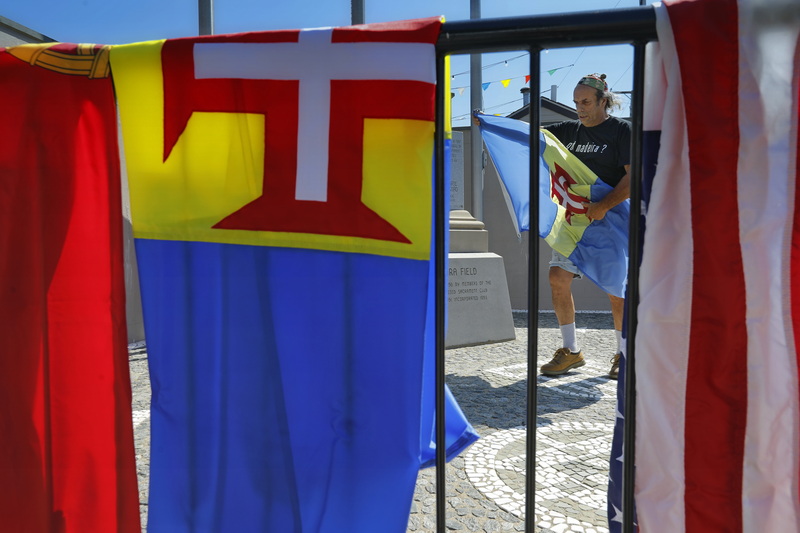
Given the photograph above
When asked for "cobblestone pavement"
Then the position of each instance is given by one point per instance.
(486, 483)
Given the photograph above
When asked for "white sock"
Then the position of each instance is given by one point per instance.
(618, 333)
(569, 337)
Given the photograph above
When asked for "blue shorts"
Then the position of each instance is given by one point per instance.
(561, 261)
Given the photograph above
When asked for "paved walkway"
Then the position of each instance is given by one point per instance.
(486, 484)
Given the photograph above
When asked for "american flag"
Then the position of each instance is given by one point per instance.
(717, 417)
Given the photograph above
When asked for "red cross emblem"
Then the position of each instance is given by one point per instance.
(314, 109)
(560, 180)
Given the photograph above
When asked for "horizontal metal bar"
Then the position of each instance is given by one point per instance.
(561, 30)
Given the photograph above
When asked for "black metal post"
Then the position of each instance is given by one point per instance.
(632, 297)
(533, 298)
(439, 221)
(205, 16)
(357, 12)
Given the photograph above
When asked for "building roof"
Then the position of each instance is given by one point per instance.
(12, 33)
(557, 109)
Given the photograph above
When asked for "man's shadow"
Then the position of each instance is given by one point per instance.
(505, 407)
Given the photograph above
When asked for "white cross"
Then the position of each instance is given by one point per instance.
(315, 61)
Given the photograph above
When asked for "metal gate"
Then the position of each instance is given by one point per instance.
(533, 34)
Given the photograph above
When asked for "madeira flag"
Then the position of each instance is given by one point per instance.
(67, 461)
(281, 198)
(599, 248)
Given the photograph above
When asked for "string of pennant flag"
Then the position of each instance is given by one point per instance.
(505, 82)
(486, 85)
(459, 90)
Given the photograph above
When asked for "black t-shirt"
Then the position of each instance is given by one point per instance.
(605, 148)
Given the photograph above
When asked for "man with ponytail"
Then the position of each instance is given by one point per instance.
(602, 142)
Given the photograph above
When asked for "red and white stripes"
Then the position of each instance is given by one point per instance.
(717, 415)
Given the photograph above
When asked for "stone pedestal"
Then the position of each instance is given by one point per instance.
(478, 304)
(467, 234)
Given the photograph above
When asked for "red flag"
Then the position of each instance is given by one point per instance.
(66, 451)
(717, 374)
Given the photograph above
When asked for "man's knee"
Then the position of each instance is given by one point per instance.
(560, 278)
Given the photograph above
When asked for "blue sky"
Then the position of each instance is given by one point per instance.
(125, 21)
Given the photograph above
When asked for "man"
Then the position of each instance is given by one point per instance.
(602, 143)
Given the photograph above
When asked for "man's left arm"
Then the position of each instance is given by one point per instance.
(620, 193)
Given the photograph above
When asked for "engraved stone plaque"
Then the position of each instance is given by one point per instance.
(478, 304)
